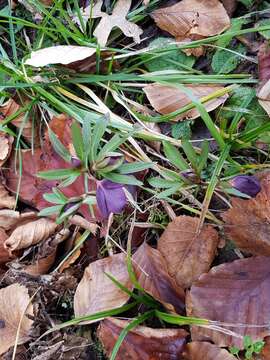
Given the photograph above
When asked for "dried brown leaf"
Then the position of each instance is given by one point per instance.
(6, 200)
(96, 292)
(265, 354)
(187, 255)
(5, 147)
(193, 19)
(60, 54)
(14, 305)
(166, 99)
(4, 254)
(247, 222)
(197, 350)
(30, 234)
(152, 274)
(116, 19)
(11, 218)
(142, 343)
(235, 293)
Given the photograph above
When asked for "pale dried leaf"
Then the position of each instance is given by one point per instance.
(6, 200)
(193, 19)
(166, 99)
(4, 254)
(247, 223)
(60, 54)
(11, 218)
(264, 97)
(30, 234)
(197, 350)
(14, 305)
(152, 274)
(96, 292)
(5, 147)
(235, 293)
(187, 254)
(116, 19)
(142, 343)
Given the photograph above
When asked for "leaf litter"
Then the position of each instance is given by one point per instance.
(107, 217)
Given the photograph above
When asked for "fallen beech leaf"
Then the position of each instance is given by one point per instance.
(11, 218)
(187, 255)
(265, 354)
(5, 147)
(116, 19)
(197, 350)
(4, 254)
(96, 292)
(14, 305)
(264, 76)
(142, 343)
(11, 107)
(247, 222)
(193, 19)
(6, 200)
(152, 274)
(60, 54)
(30, 234)
(236, 293)
(166, 99)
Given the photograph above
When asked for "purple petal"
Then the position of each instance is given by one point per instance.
(247, 184)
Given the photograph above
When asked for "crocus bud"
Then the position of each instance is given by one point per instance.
(75, 161)
(111, 197)
(246, 184)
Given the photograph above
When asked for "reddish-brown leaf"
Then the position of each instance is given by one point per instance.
(152, 274)
(197, 350)
(6, 200)
(265, 354)
(247, 222)
(264, 62)
(187, 255)
(142, 343)
(5, 147)
(166, 99)
(235, 293)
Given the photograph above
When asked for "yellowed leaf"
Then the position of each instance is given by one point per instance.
(187, 255)
(60, 54)
(14, 305)
(6, 200)
(116, 19)
(96, 292)
(166, 99)
(193, 19)
(30, 234)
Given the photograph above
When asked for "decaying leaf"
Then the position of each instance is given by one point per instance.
(247, 222)
(235, 293)
(166, 99)
(5, 147)
(30, 234)
(11, 218)
(4, 254)
(264, 76)
(187, 255)
(60, 54)
(6, 200)
(152, 274)
(97, 292)
(193, 19)
(116, 19)
(14, 305)
(265, 354)
(142, 342)
(197, 350)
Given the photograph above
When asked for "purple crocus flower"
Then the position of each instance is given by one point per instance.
(247, 184)
(111, 197)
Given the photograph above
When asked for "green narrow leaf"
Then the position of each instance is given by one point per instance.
(86, 134)
(122, 179)
(174, 156)
(134, 167)
(54, 199)
(58, 174)
(111, 145)
(190, 153)
(59, 147)
(98, 132)
(158, 182)
(203, 157)
(77, 140)
(50, 210)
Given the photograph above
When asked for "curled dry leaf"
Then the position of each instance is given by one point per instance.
(235, 293)
(108, 22)
(15, 305)
(197, 350)
(4, 254)
(247, 222)
(187, 255)
(142, 342)
(30, 234)
(264, 76)
(60, 54)
(166, 99)
(97, 292)
(193, 19)
(11, 218)
(152, 274)
(5, 147)
(6, 200)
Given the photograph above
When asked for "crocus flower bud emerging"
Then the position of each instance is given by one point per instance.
(111, 197)
(247, 184)
(76, 162)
